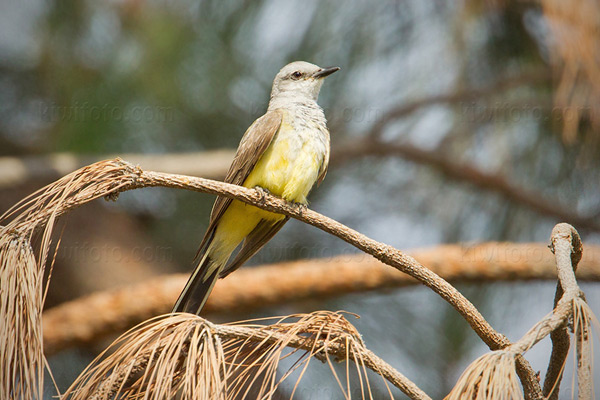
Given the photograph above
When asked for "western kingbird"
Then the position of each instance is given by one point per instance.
(284, 152)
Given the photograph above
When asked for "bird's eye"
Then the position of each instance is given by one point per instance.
(297, 75)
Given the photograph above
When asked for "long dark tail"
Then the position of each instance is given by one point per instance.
(198, 288)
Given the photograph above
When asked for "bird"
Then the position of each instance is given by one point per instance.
(284, 153)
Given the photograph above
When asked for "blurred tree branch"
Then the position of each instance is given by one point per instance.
(90, 318)
(467, 173)
(17, 170)
(463, 95)
(214, 164)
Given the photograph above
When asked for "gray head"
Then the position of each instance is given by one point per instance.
(300, 79)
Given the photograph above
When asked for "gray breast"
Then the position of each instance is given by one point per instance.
(308, 116)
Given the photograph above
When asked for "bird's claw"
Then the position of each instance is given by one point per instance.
(263, 193)
(300, 207)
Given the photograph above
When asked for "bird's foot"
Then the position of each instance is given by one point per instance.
(263, 194)
(300, 207)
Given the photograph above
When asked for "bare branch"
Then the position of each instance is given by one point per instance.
(562, 247)
(566, 245)
(382, 252)
(85, 320)
(560, 336)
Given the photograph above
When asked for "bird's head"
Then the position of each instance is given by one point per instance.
(300, 79)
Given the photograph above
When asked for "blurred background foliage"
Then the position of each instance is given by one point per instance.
(511, 89)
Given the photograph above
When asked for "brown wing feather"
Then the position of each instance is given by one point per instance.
(255, 141)
(324, 166)
(323, 172)
(259, 236)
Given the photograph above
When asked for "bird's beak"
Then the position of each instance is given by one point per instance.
(323, 72)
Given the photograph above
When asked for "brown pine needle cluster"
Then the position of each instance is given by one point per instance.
(21, 272)
(185, 355)
(492, 376)
(583, 318)
(21, 350)
(575, 28)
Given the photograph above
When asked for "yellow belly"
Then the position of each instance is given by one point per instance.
(290, 166)
(288, 169)
(235, 224)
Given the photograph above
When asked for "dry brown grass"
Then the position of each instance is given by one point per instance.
(158, 359)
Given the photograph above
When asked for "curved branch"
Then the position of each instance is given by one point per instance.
(560, 336)
(87, 319)
(385, 253)
(564, 238)
(109, 178)
(567, 247)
